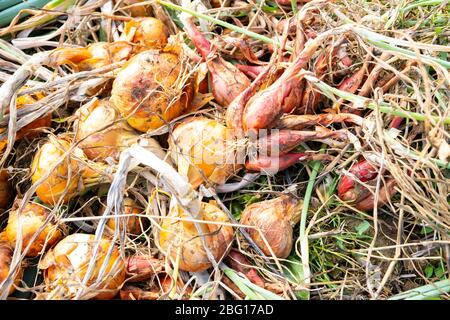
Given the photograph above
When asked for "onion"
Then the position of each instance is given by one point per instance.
(201, 148)
(94, 56)
(181, 237)
(6, 253)
(65, 181)
(150, 90)
(27, 223)
(66, 264)
(275, 220)
(133, 223)
(29, 131)
(6, 190)
(147, 33)
(102, 134)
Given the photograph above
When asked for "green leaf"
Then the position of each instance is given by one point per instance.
(429, 271)
(295, 273)
(439, 272)
(362, 227)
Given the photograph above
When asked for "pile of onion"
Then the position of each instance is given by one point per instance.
(203, 148)
(101, 133)
(6, 253)
(181, 241)
(65, 181)
(65, 266)
(153, 88)
(273, 221)
(31, 221)
(146, 33)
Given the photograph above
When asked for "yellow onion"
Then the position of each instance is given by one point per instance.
(138, 10)
(65, 266)
(102, 134)
(202, 147)
(30, 130)
(91, 57)
(181, 237)
(151, 89)
(6, 190)
(146, 33)
(133, 223)
(6, 253)
(65, 180)
(274, 220)
(27, 223)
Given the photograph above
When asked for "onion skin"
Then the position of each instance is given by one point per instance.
(66, 264)
(94, 56)
(176, 233)
(202, 146)
(6, 253)
(30, 130)
(143, 267)
(275, 218)
(102, 134)
(146, 33)
(6, 190)
(138, 11)
(349, 189)
(98, 145)
(148, 91)
(237, 261)
(52, 189)
(227, 81)
(30, 220)
(132, 223)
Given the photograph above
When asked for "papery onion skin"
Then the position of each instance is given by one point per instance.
(6, 190)
(66, 265)
(176, 233)
(101, 132)
(138, 11)
(91, 57)
(146, 33)
(53, 188)
(30, 130)
(30, 220)
(6, 253)
(203, 147)
(133, 223)
(148, 90)
(275, 218)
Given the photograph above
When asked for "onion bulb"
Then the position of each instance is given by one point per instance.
(6, 190)
(27, 223)
(132, 222)
(101, 133)
(146, 33)
(65, 180)
(6, 253)
(180, 237)
(202, 147)
(273, 221)
(151, 89)
(65, 266)
(94, 56)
